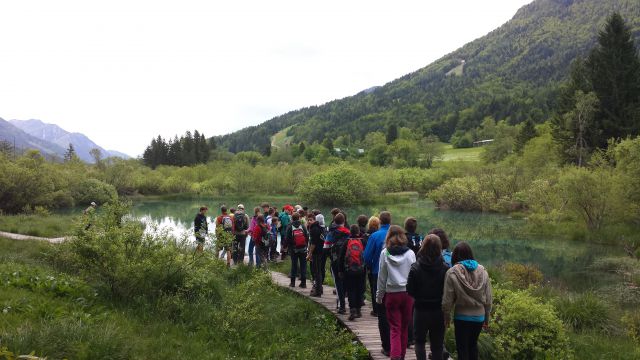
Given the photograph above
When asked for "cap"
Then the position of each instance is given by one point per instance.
(320, 219)
(93, 203)
(240, 206)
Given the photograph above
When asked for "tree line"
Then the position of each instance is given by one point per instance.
(189, 149)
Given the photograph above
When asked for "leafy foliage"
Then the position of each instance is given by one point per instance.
(186, 150)
(336, 186)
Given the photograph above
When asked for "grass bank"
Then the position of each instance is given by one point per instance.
(51, 226)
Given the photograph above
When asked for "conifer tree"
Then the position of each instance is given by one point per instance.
(70, 154)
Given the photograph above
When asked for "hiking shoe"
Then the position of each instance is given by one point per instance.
(303, 285)
(352, 315)
(445, 355)
(334, 292)
(385, 352)
(292, 284)
(358, 313)
(374, 314)
(342, 311)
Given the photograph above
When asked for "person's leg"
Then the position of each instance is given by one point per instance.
(373, 284)
(406, 313)
(435, 324)
(420, 334)
(462, 333)
(359, 290)
(394, 316)
(303, 269)
(294, 269)
(339, 285)
(252, 251)
(475, 329)
(242, 248)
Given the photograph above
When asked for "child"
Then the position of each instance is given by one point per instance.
(414, 239)
(352, 271)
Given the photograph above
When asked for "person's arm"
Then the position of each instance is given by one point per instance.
(382, 280)
(448, 297)
(411, 282)
(368, 252)
(488, 303)
(342, 252)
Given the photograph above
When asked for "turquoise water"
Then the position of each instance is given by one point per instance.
(494, 238)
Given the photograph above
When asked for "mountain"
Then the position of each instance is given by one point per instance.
(54, 134)
(512, 73)
(22, 140)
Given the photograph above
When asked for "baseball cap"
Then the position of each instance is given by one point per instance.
(240, 206)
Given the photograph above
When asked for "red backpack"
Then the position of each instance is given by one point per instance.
(299, 238)
(354, 256)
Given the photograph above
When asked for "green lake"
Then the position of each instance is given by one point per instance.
(495, 238)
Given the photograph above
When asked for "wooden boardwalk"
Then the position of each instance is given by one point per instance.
(365, 328)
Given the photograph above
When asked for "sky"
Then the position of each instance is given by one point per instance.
(123, 72)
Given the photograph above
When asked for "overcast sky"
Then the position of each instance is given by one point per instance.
(122, 72)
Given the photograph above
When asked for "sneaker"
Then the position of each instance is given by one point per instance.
(358, 313)
(303, 285)
(292, 284)
(352, 315)
(342, 311)
(374, 314)
(445, 355)
(385, 352)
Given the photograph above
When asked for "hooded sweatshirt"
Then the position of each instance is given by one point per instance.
(468, 288)
(426, 282)
(395, 263)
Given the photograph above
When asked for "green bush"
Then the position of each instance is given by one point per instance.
(336, 186)
(464, 194)
(631, 322)
(520, 275)
(583, 311)
(526, 328)
(89, 190)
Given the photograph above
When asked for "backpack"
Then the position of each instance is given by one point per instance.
(240, 222)
(299, 238)
(227, 223)
(354, 257)
(335, 250)
(266, 236)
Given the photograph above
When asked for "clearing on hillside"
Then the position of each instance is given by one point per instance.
(465, 154)
(280, 139)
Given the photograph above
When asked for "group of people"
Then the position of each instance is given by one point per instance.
(418, 285)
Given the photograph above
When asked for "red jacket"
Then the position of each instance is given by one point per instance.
(257, 233)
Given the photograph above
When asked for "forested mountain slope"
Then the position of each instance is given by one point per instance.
(511, 73)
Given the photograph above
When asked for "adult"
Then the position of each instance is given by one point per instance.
(395, 263)
(254, 219)
(224, 221)
(352, 271)
(240, 230)
(362, 221)
(261, 237)
(316, 254)
(444, 239)
(372, 252)
(373, 225)
(426, 285)
(274, 224)
(334, 241)
(467, 290)
(298, 242)
(89, 213)
(411, 232)
(201, 228)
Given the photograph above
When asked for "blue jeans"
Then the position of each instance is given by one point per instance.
(339, 284)
(300, 258)
(252, 246)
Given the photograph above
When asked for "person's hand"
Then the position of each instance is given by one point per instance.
(447, 322)
(485, 325)
(308, 257)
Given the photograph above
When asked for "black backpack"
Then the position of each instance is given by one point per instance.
(239, 221)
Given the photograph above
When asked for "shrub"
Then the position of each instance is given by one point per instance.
(631, 322)
(525, 328)
(336, 186)
(463, 194)
(89, 190)
(584, 311)
(520, 275)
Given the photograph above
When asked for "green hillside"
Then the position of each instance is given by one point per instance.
(511, 73)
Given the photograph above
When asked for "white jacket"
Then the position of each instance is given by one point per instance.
(395, 264)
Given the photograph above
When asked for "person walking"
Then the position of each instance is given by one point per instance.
(261, 237)
(467, 290)
(372, 251)
(414, 240)
(426, 285)
(316, 253)
(395, 263)
(298, 242)
(372, 226)
(335, 240)
(285, 220)
(201, 228)
(256, 212)
(240, 230)
(352, 271)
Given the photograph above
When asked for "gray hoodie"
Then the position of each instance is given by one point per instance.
(467, 287)
(395, 264)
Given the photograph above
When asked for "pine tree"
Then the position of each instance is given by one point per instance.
(614, 70)
(526, 133)
(392, 133)
(301, 148)
(267, 150)
(70, 154)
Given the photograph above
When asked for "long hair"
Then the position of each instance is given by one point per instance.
(395, 237)
(431, 248)
(443, 237)
(373, 224)
(461, 252)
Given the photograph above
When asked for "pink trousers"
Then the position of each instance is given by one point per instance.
(399, 307)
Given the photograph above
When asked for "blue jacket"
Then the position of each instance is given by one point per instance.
(375, 244)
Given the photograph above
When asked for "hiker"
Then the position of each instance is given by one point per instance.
(274, 226)
(225, 221)
(240, 230)
(285, 220)
(426, 285)
(261, 237)
(334, 241)
(265, 210)
(467, 290)
(89, 213)
(352, 271)
(201, 228)
(316, 253)
(395, 263)
(373, 225)
(256, 212)
(372, 252)
(444, 240)
(414, 239)
(298, 242)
